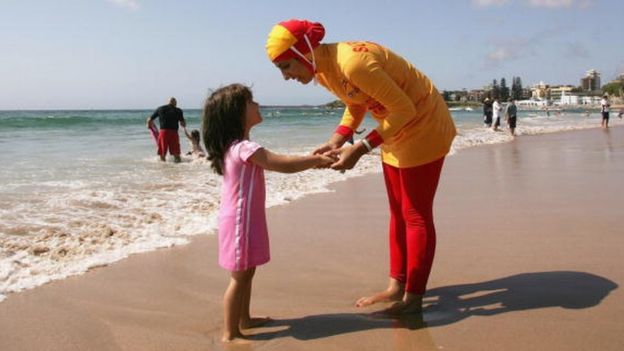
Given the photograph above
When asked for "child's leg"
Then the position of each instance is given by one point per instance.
(246, 321)
(232, 302)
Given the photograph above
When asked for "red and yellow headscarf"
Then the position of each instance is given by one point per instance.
(293, 38)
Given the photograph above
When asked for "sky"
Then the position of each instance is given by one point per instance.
(135, 54)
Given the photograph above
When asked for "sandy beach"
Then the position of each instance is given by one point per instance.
(529, 257)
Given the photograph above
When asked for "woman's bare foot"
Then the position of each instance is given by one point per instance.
(254, 322)
(410, 304)
(394, 292)
(233, 338)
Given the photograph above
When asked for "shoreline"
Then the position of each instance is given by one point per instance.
(521, 225)
(502, 135)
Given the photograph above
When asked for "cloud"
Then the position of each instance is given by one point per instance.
(553, 4)
(488, 3)
(129, 4)
(507, 50)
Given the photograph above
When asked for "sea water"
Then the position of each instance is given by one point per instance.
(81, 189)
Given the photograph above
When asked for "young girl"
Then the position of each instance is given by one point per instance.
(229, 114)
(194, 140)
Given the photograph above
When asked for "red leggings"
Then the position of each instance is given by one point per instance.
(412, 234)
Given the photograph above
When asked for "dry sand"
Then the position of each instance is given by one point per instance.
(530, 257)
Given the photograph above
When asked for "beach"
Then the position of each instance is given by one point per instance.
(528, 258)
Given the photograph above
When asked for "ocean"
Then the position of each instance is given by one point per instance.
(81, 189)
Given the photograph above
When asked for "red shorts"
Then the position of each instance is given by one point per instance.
(168, 140)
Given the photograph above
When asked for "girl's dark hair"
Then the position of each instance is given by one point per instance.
(223, 121)
(195, 134)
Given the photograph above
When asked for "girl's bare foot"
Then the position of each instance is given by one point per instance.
(394, 292)
(254, 322)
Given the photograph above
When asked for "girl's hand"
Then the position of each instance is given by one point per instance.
(328, 158)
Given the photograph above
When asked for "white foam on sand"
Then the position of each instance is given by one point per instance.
(78, 228)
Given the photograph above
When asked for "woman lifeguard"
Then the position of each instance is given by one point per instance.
(415, 131)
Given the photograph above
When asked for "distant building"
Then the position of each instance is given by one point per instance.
(476, 95)
(526, 93)
(556, 92)
(533, 103)
(568, 98)
(591, 81)
(539, 91)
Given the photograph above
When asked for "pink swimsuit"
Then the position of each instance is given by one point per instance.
(243, 234)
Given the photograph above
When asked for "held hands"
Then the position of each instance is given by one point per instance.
(326, 159)
(327, 150)
(342, 158)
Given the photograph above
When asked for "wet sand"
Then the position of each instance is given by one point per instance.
(530, 256)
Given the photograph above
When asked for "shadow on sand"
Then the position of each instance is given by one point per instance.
(450, 304)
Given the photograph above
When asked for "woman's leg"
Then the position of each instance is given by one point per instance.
(419, 185)
(396, 240)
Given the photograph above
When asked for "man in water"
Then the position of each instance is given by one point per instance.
(487, 112)
(496, 110)
(168, 117)
(604, 106)
(510, 115)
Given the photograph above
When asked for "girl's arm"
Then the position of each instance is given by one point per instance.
(187, 134)
(288, 163)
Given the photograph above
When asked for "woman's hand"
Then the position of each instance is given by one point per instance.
(334, 143)
(349, 156)
(325, 148)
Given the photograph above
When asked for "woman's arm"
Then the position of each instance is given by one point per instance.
(288, 163)
(351, 119)
(370, 77)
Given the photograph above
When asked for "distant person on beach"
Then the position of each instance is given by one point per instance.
(621, 113)
(496, 110)
(168, 140)
(229, 114)
(511, 112)
(195, 141)
(487, 112)
(604, 105)
(415, 131)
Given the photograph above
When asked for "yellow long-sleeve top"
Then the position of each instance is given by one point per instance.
(415, 126)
